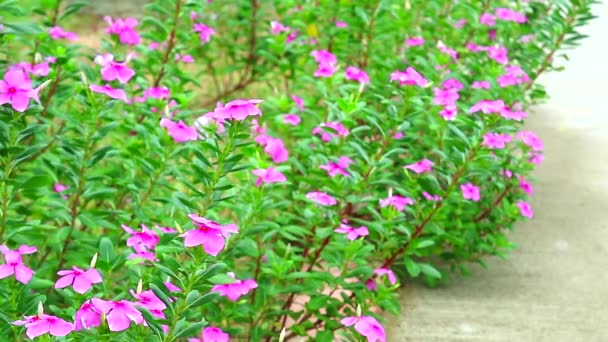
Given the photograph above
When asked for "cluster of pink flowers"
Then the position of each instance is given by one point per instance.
(514, 75)
(326, 63)
(397, 202)
(447, 97)
(143, 242)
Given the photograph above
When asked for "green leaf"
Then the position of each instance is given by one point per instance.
(222, 279)
(106, 249)
(429, 271)
(412, 268)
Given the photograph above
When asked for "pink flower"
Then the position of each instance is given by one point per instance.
(525, 186)
(527, 38)
(513, 115)
(112, 70)
(80, 280)
(208, 233)
(292, 119)
(238, 110)
(487, 19)
(57, 32)
(499, 54)
(340, 131)
(148, 300)
(352, 233)
(124, 29)
(87, 316)
(185, 58)
(398, 202)
(448, 113)
(322, 198)
(16, 89)
(481, 85)
(179, 131)
(389, 274)
(448, 51)
(106, 89)
(299, 102)
(172, 287)
(460, 23)
(515, 76)
(355, 74)
(341, 24)
(339, 167)
(324, 57)
(269, 175)
(274, 147)
(43, 324)
(470, 192)
(204, 32)
(58, 187)
(415, 41)
(236, 289)
(496, 140)
(141, 252)
(211, 334)
(325, 70)
(367, 326)
(536, 158)
(445, 97)
(532, 140)
(508, 14)
(525, 209)
(118, 314)
(14, 263)
(488, 107)
(452, 83)
(146, 237)
(157, 93)
(277, 28)
(422, 166)
(409, 77)
(430, 197)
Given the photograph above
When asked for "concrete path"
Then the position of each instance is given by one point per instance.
(555, 286)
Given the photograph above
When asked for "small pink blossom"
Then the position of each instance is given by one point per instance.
(499, 54)
(508, 14)
(14, 263)
(204, 32)
(324, 57)
(146, 237)
(274, 147)
(496, 140)
(106, 89)
(422, 166)
(16, 89)
(536, 158)
(525, 209)
(488, 107)
(57, 32)
(120, 314)
(409, 77)
(179, 131)
(415, 41)
(235, 290)
(87, 316)
(340, 167)
(398, 202)
(525, 186)
(124, 29)
(79, 279)
(354, 74)
(147, 299)
(430, 197)
(277, 28)
(325, 70)
(448, 113)
(341, 24)
(513, 115)
(172, 287)
(184, 58)
(367, 326)
(481, 85)
(45, 324)
(211, 334)
(299, 102)
(112, 70)
(208, 233)
(238, 110)
(445, 97)
(460, 23)
(269, 175)
(351, 232)
(161, 93)
(487, 19)
(322, 198)
(292, 119)
(389, 274)
(531, 139)
(470, 192)
(327, 136)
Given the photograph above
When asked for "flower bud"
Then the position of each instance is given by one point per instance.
(358, 310)
(40, 309)
(93, 261)
(140, 286)
(282, 335)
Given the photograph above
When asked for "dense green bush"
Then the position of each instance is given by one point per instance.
(259, 168)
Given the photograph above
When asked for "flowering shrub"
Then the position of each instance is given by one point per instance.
(261, 170)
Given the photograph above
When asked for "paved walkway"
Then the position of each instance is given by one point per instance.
(555, 286)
